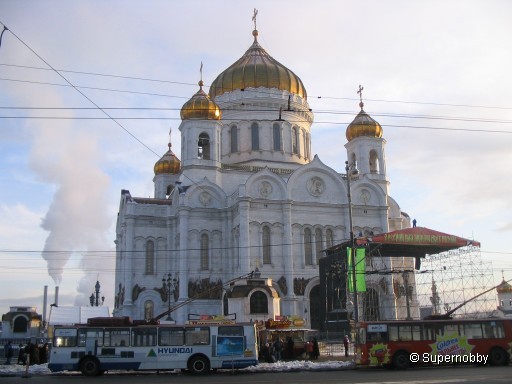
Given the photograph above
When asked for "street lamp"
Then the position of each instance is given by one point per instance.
(94, 299)
(169, 286)
(352, 170)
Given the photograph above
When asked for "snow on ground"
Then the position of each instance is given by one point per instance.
(280, 366)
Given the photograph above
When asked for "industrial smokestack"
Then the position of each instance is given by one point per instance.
(56, 302)
(45, 303)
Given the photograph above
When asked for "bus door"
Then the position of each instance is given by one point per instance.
(91, 339)
(376, 333)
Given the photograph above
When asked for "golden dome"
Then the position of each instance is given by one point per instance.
(169, 163)
(256, 68)
(200, 106)
(363, 125)
(504, 287)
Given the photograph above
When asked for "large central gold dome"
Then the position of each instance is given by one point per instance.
(256, 68)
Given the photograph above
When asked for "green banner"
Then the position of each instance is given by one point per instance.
(360, 257)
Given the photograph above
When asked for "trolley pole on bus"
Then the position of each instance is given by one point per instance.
(352, 171)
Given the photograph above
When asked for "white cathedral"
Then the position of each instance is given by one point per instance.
(248, 195)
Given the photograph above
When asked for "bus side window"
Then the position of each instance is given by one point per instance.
(374, 336)
(493, 330)
(197, 336)
(393, 332)
(116, 337)
(145, 337)
(449, 329)
(171, 336)
(404, 333)
(473, 330)
(416, 332)
(430, 331)
(230, 330)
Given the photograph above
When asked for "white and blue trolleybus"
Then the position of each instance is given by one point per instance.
(106, 344)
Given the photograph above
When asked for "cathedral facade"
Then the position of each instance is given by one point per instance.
(248, 195)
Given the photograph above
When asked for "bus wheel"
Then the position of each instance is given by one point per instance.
(199, 365)
(90, 366)
(498, 356)
(401, 360)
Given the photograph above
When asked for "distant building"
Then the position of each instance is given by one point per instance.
(76, 314)
(21, 323)
(504, 291)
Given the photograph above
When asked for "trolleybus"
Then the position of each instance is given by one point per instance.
(400, 344)
(106, 344)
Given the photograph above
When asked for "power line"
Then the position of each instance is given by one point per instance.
(80, 92)
(259, 91)
(177, 118)
(327, 112)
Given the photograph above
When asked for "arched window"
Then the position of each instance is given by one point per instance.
(277, 137)
(150, 257)
(295, 140)
(374, 161)
(20, 325)
(308, 249)
(318, 244)
(329, 238)
(267, 257)
(205, 250)
(259, 302)
(149, 310)
(255, 137)
(203, 146)
(234, 139)
(307, 145)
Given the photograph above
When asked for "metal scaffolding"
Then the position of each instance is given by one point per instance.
(448, 279)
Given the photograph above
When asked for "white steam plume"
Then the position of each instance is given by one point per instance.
(78, 217)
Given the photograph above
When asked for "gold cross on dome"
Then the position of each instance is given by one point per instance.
(254, 17)
(360, 92)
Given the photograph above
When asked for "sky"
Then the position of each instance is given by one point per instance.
(89, 91)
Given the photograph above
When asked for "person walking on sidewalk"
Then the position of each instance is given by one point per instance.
(346, 344)
(8, 352)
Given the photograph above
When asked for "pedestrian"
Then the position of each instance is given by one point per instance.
(290, 346)
(309, 349)
(316, 350)
(278, 349)
(8, 352)
(346, 344)
(22, 356)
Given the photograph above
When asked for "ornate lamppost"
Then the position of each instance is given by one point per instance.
(94, 299)
(352, 170)
(169, 286)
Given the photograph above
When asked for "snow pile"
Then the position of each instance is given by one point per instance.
(280, 366)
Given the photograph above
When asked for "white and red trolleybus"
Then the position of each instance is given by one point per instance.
(400, 344)
(118, 344)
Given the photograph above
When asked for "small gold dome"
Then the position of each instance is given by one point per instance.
(504, 287)
(363, 125)
(200, 106)
(168, 163)
(256, 68)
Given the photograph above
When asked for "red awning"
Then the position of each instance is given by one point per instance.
(421, 236)
(414, 242)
